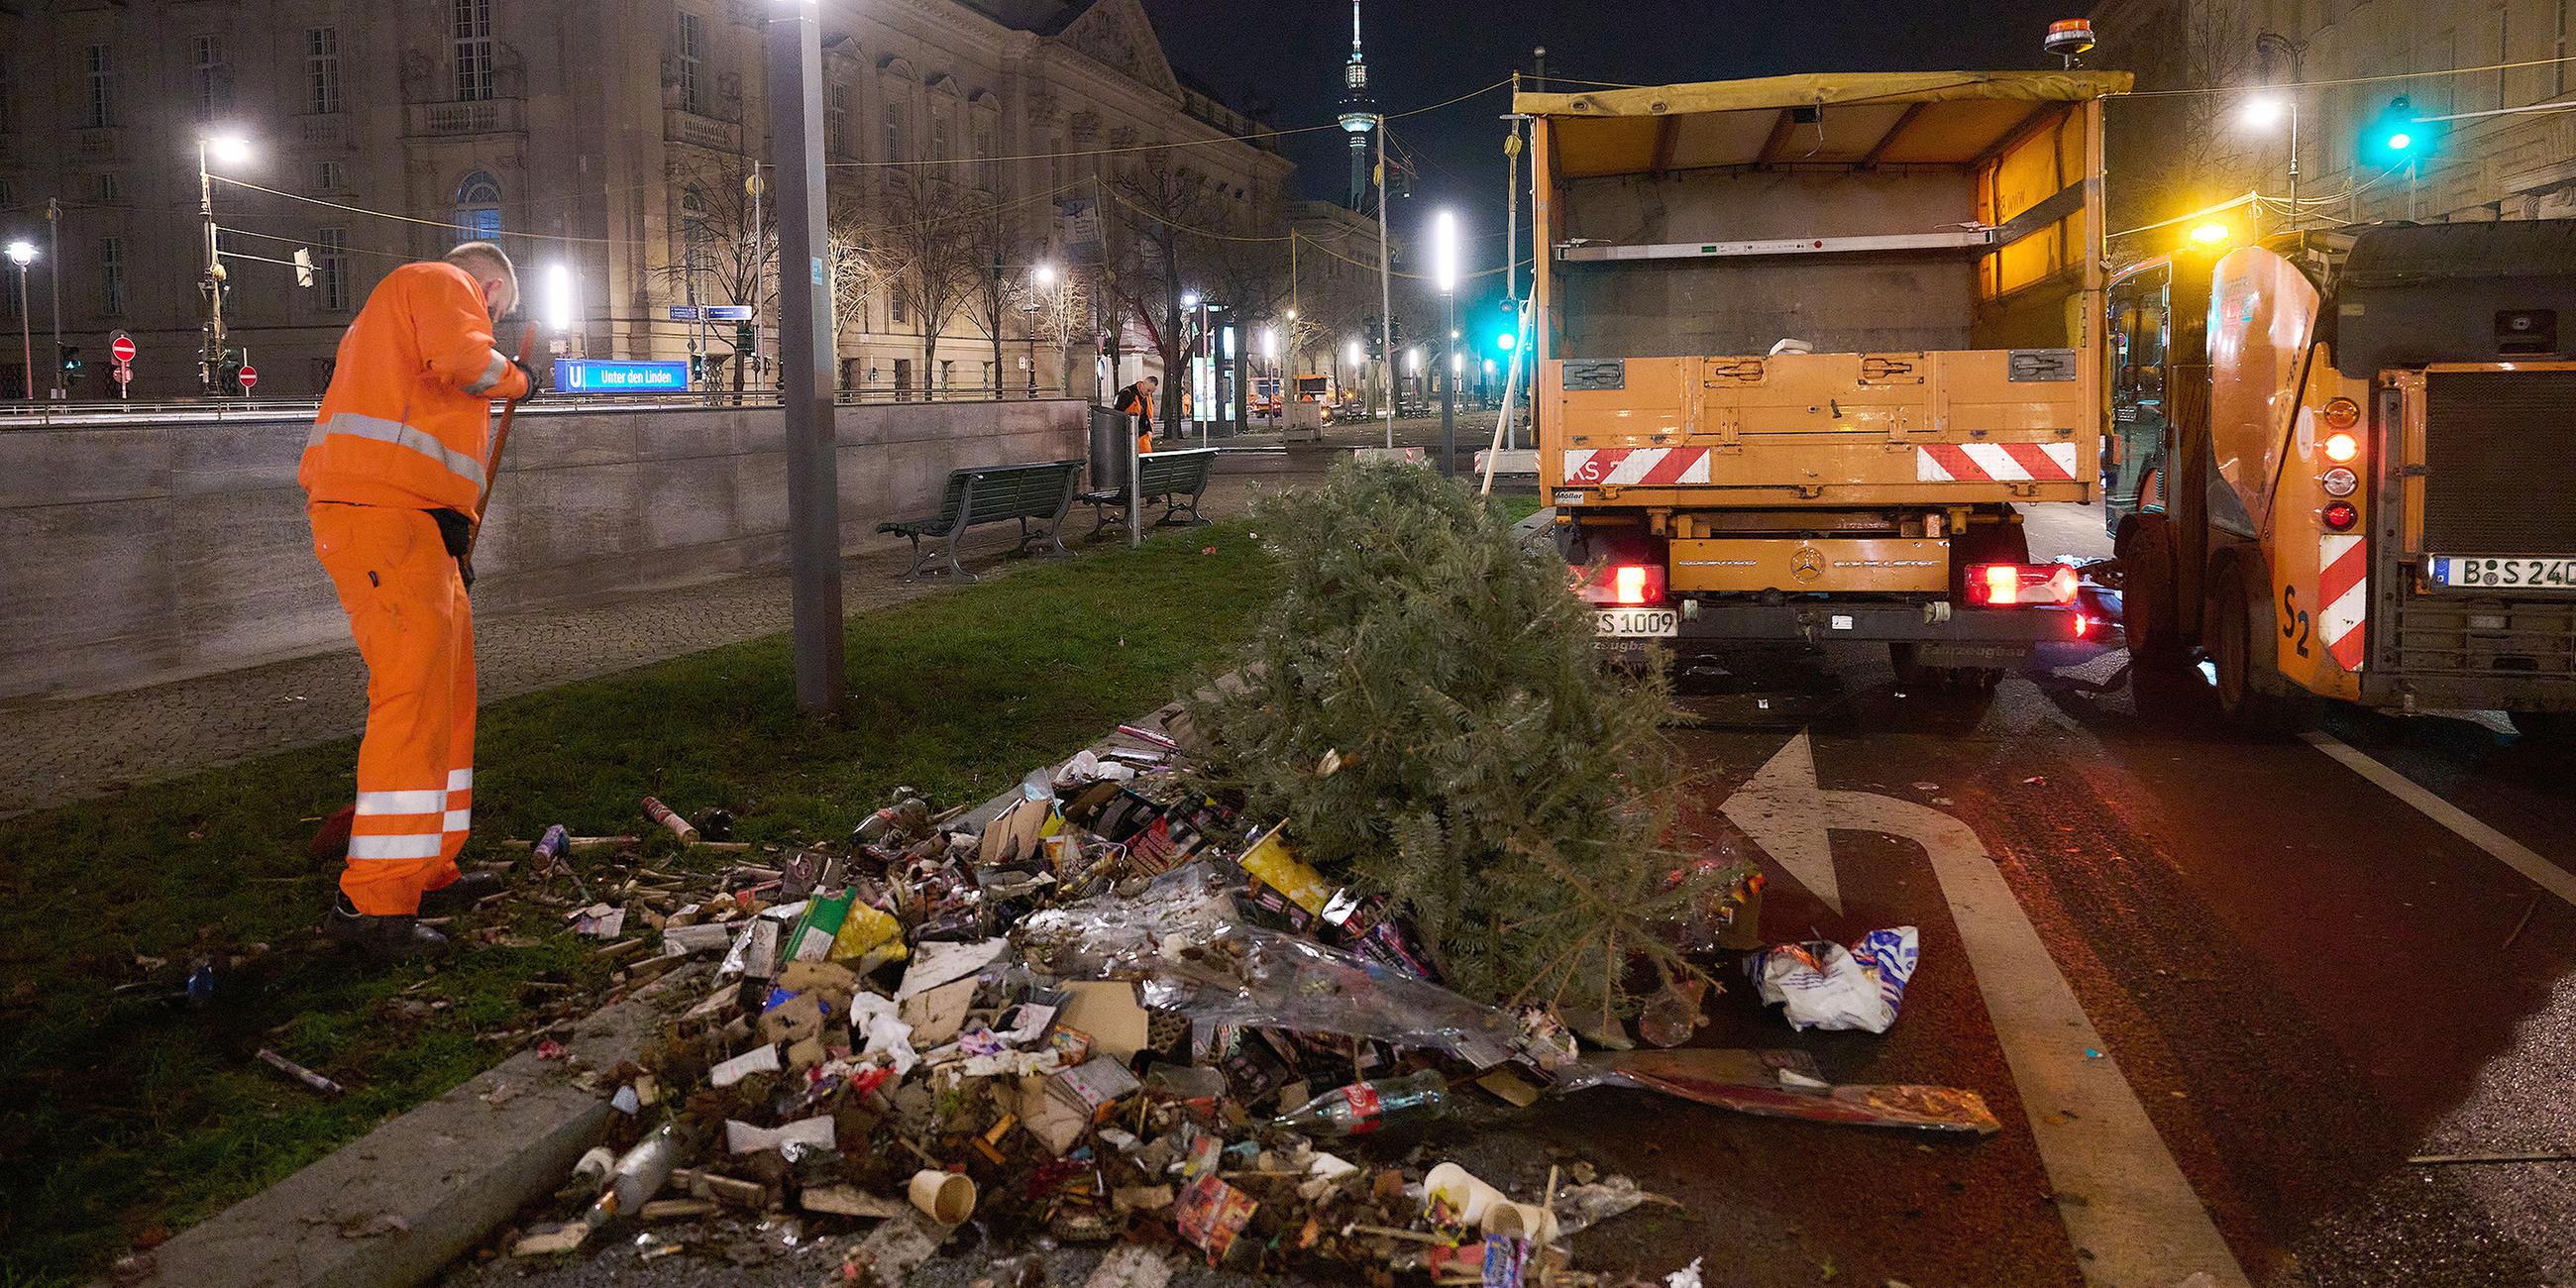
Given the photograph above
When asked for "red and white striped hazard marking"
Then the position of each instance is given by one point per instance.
(2343, 586)
(1995, 463)
(1635, 466)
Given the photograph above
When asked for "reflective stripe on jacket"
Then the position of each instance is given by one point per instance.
(410, 403)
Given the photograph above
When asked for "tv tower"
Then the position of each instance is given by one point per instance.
(1359, 112)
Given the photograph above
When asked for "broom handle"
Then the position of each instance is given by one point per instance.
(500, 441)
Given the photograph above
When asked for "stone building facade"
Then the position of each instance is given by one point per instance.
(2171, 154)
(609, 137)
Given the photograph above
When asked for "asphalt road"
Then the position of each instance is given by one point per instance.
(2222, 993)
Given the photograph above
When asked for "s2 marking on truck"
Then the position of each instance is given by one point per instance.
(1994, 463)
(1636, 466)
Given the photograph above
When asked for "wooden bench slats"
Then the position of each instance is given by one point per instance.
(1177, 479)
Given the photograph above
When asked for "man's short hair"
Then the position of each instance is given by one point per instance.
(1154, 379)
(485, 260)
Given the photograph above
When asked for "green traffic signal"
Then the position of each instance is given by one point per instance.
(2395, 137)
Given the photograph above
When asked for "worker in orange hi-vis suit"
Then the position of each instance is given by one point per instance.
(394, 469)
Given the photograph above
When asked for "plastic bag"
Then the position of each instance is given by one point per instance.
(1185, 942)
(1827, 986)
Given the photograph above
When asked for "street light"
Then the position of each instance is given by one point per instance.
(1445, 255)
(23, 253)
(563, 300)
(228, 150)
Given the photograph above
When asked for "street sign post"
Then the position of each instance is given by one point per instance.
(121, 347)
(684, 313)
(249, 378)
(725, 312)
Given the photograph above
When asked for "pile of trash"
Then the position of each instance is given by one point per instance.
(1104, 1015)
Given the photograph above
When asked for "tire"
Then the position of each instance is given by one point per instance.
(2557, 728)
(2251, 693)
(2150, 595)
(1911, 675)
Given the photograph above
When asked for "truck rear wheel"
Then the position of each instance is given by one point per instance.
(2251, 691)
(2150, 595)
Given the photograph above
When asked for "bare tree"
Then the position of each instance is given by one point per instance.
(1162, 197)
(723, 253)
(932, 243)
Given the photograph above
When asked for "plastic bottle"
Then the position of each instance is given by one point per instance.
(552, 847)
(641, 1173)
(1364, 1107)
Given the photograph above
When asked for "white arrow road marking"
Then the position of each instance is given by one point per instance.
(1778, 811)
(2123, 1198)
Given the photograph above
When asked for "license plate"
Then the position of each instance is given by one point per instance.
(2478, 572)
(1638, 623)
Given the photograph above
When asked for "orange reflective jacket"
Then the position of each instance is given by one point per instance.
(410, 404)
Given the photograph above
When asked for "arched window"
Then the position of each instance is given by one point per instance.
(478, 208)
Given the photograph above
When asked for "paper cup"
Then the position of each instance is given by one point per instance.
(1519, 1221)
(1466, 1194)
(945, 1197)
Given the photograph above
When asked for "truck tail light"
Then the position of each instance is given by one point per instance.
(2341, 447)
(1625, 585)
(2007, 585)
(2339, 516)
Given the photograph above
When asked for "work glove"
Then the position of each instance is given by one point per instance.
(530, 373)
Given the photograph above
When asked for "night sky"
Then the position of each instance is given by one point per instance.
(1288, 54)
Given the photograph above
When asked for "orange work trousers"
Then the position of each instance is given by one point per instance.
(407, 608)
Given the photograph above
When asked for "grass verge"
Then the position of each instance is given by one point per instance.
(125, 1114)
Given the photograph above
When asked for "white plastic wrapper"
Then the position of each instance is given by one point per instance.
(1827, 986)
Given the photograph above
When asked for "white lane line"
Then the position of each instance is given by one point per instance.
(2126, 1204)
(2506, 850)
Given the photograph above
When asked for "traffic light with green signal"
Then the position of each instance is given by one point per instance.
(70, 357)
(2395, 137)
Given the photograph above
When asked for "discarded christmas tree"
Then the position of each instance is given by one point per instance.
(1428, 711)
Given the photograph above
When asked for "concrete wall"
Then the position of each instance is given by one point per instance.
(136, 554)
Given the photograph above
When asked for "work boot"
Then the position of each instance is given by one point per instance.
(460, 895)
(383, 939)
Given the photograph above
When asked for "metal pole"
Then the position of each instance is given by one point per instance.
(1385, 286)
(759, 279)
(211, 362)
(26, 334)
(54, 277)
(805, 367)
(1449, 392)
(993, 298)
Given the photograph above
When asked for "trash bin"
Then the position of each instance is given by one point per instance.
(1109, 447)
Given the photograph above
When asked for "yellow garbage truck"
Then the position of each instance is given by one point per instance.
(2341, 468)
(1804, 343)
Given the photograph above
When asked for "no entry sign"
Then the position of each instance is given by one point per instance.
(249, 378)
(122, 347)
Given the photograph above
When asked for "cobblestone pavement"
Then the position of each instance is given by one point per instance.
(57, 753)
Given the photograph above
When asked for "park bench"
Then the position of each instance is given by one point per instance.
(990, 494)
(1175, 479)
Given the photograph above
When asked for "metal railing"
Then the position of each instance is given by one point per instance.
(41, 415)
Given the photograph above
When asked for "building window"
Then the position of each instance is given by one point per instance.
(8, 195)
(894, 131)
(478, 208)
(331, 268)
(2559, 51)
(939, 136)
(473, 26)
(106, 188)
(897, 311)
(8, 96)
(98, 109)
(111, 275)
(836, 121)
(214, 81)
(331, 176)
(692, 51)
(984, 166)
(322, 70)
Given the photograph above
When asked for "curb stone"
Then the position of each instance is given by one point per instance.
(394, 1207)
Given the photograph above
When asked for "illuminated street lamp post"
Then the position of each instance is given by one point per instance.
(1044, 278)
(228, 150)
(1445, 254)
(22, 254)
(2268, 109)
